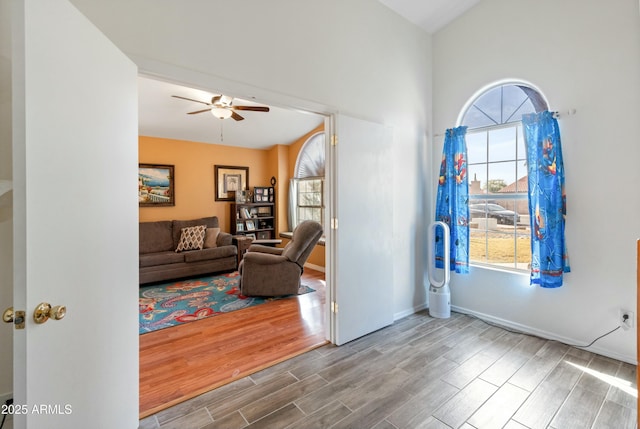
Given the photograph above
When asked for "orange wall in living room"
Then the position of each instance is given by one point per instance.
(195, 183)
(194, 176)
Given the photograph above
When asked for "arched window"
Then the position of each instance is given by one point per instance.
(498, 200)
(306, 193)
(310, 162)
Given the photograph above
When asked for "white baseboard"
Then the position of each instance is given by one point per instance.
(524, 329)
(409, 312)
(544, 334)
(315, 267)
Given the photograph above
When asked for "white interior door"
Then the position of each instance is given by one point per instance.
(362, 263)
(75, 221)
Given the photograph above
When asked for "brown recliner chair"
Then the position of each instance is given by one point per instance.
(271, 271)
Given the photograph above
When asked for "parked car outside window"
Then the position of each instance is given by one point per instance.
(496, 211)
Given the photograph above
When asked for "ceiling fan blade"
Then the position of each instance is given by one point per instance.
(235, 116)
(198, 111)
(191, 99)
(252, 108)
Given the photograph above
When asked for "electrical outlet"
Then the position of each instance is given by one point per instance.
(626, 319)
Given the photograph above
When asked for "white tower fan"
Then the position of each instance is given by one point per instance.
(439, 293)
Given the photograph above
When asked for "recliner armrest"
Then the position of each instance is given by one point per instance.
(259, 258)
(259, 248)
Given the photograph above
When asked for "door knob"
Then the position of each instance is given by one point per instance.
(44, 311)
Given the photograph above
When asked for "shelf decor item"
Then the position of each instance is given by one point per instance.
(257, 218)
(156, 185)
(241, 196)
(263, 194)
(229, 181)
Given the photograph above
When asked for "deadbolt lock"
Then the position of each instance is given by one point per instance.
(44, 311)
(15, 317)
(8, 315)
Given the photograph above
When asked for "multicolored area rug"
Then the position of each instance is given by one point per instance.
(170, 304)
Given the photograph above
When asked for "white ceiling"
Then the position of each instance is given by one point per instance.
(430, 15)
(161, 115)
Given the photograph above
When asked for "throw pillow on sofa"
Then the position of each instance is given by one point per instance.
(211, 237)
(192, 238)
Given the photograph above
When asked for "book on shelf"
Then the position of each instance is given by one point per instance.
(245, 213)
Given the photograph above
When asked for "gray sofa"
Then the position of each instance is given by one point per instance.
(159, 260)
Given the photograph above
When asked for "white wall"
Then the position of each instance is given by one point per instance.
(355, 56)
(6, 223)
(583, 56)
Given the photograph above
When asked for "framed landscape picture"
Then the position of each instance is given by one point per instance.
(156, 185)
(229, 180)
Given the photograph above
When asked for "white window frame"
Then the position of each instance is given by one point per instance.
(510, 199)
(301, 206)
(310, 166)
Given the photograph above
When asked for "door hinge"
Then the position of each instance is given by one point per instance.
(334, 223)
(334, 307)
(334, 140)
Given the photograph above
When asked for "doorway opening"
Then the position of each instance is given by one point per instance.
(236, 344)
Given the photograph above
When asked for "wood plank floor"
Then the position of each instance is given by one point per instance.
(424, 373)
(184, 361)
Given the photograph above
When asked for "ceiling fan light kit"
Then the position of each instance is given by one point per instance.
(221, 106)
(221, 112)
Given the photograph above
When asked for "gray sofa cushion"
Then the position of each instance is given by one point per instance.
(209, 222)
(212, 253)
(155, 237)
(161, 258)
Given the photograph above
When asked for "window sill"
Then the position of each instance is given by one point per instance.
(507, 270)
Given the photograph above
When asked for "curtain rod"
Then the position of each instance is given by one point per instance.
(569, 112)
(556, 114)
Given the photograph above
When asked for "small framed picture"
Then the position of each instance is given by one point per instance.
(229, 180)
(250, 225)
(263, 235)
(239, 226)
(251, 236)
(260, 194)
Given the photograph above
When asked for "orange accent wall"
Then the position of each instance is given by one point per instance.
(278, 159)
(194, 176)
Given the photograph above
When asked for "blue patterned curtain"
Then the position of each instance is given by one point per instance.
(547, 199)
(452, 201)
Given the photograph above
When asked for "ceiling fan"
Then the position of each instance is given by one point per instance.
(222, 107)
